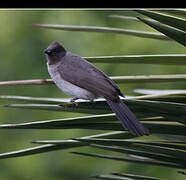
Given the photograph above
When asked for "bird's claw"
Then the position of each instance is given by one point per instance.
(74, 102)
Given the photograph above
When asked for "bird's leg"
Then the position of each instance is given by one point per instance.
(73, 101)
(92, 101)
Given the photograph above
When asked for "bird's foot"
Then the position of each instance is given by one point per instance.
(91, 101)
(73, 100)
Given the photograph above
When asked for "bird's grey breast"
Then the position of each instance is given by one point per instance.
(67, 87)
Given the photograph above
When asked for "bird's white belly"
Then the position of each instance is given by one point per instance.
(67, 87)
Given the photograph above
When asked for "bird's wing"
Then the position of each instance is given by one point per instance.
(83, 74)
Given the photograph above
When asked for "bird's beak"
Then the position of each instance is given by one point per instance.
(47, 51)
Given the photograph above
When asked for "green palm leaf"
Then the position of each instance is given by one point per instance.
(138, 160)
(143, 34)
(164, 114)
(135, 176)
(173, 33)
(167, 59)
(65, 144)
(173, 21)
(109, 177)
(117, 79)
(99, 107)
(122, 176)
(174, 144)
(145, 149)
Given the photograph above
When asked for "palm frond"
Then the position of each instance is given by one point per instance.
(162, 112)
(131, 32)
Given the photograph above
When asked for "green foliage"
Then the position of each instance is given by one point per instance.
(104, 30)
(164, 114)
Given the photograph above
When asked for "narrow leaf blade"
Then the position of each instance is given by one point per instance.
(164, 59)
(64, 144)
(173, 21)
(137, 177)
(175, 34)
(117, 79)
(141, 161)
(143, 34)
(34, 150)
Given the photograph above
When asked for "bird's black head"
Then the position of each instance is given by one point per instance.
(55, 52)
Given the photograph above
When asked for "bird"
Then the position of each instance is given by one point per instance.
(80, 79)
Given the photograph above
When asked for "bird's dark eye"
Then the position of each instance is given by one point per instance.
(55, 51)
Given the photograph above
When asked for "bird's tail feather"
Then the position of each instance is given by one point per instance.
(127, 118)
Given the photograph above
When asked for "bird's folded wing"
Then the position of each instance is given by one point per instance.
(90, 79)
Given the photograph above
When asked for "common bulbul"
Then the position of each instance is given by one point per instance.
(82, 80)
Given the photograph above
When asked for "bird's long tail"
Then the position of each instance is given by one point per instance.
(127, 118)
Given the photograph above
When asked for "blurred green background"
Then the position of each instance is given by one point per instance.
(21, 57)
